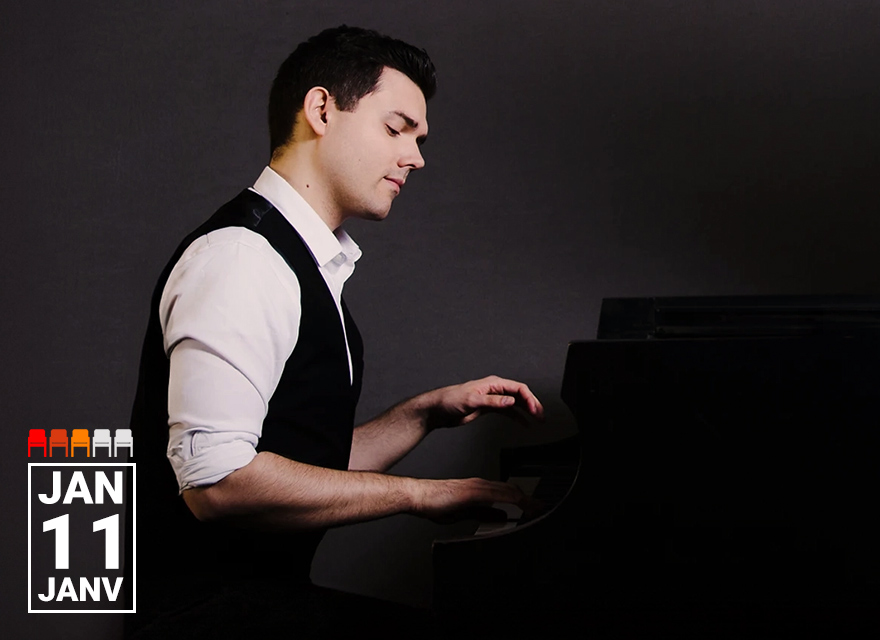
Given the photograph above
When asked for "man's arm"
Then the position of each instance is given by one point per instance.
(275, 493)
(380, 443)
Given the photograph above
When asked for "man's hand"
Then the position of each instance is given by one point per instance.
(459, 404)
(381, 442)
(448, 501)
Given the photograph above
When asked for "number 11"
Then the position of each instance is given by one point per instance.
(61, 526)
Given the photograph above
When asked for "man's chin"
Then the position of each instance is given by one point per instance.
(374, 215)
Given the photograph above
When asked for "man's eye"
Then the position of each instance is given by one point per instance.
(392, 132)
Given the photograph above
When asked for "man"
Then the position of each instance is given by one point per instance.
(251, 368)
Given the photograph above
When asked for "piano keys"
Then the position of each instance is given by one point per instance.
(723, 480)
(545, 472)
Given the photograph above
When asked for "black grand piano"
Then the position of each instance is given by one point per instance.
(723, 482)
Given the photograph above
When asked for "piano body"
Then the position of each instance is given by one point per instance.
(723, 482)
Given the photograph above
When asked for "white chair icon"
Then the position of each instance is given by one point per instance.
(124, 439)
(101, 438)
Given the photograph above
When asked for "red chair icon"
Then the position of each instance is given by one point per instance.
(37, 438)
(58, 438)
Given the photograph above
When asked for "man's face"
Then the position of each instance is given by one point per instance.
(368, 153)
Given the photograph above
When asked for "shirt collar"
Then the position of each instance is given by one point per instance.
(326, 246)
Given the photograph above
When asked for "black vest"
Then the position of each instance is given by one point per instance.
(310, 419)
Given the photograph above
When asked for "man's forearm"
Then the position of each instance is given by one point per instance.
(273, 492)
(380, 443)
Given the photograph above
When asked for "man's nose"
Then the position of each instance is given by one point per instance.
(413, 159)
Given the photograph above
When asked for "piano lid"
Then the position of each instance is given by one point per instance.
(732, 316)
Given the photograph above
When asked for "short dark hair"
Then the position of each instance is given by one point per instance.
(347, 61)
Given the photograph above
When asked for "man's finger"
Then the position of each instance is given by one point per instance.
(519, 390)
(516, 415)
(504, 406)
(491, 401)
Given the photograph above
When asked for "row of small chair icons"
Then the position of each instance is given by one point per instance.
(80, 438)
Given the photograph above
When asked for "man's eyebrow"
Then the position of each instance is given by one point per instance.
(412, 124)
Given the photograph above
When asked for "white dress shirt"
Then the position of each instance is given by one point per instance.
(230, 315)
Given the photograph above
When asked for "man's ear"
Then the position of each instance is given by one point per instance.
(315, 107)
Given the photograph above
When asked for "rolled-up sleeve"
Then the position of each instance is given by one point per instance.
(230, 316)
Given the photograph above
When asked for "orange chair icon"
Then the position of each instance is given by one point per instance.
(80, 438)
(58, 438)
(37, 438)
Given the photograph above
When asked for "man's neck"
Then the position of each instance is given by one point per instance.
(300, 175)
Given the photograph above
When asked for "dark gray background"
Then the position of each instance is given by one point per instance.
(578, 150)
